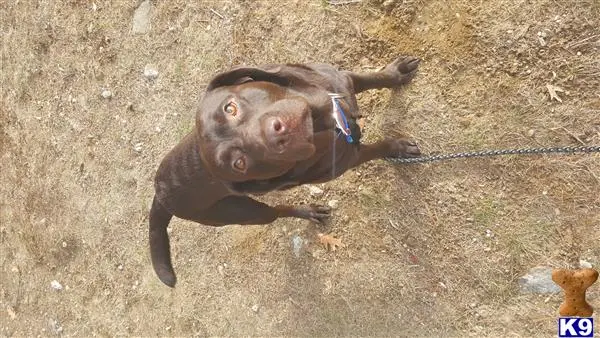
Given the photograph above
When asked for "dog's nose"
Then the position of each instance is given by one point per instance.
(277, 126)
(276, 132)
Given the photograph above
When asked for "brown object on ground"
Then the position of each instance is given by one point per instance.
(260, 130)
(330, 242)
(575, 284)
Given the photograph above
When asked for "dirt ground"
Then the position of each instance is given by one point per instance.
(432, 250)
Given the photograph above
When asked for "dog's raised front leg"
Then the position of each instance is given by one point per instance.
(396, 74)
(245, 210)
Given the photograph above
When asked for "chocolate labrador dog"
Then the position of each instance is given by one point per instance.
(262, 129)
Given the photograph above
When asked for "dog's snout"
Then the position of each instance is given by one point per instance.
(286, 128)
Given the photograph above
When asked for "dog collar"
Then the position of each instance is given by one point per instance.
(341, 123)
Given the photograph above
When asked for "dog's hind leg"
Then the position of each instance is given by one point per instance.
(387, 148)
(396, 74)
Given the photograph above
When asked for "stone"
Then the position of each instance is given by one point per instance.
(538, 280)
(141, 18)
(297, 243)
(314, 190)
(585, 264)
(150, 72)
(56, 285)
(333, 204)
(107, 94)
(55, 326)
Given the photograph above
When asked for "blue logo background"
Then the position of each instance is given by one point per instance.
(575, 327)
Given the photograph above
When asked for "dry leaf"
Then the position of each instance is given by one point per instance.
(330, 242)
(361, 123)
(11, 312)
(552, 90)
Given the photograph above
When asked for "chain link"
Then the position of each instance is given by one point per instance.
(484, 153)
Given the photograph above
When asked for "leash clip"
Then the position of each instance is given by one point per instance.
(339, 117)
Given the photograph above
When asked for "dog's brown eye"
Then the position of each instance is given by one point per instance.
(231, 109)
(240, 164)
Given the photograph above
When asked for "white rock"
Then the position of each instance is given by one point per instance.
(538, 280)
(387, 4)
(584, 264)
(107, 94)
(138, 146)
(150, 72)
(314, 190)
(141, 18)
(255, 307)
(55, 326)
(56, 285)
(542, 41)
(333, 204)
(297, 243)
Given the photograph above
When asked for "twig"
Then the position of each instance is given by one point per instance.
(570, 134)
(297, 304)
(217, 13)
(342, 2)
(347, 303)
(592, 173)
(579, 43)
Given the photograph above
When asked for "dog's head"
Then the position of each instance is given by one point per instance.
(252, 127)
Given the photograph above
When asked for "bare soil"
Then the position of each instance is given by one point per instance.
(433, 249)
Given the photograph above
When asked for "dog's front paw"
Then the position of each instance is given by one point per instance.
(313, 213)
(403, 69)
(403, 148)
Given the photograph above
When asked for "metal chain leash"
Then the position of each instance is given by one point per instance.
(484, 153)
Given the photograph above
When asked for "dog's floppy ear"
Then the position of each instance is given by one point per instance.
(246, 74)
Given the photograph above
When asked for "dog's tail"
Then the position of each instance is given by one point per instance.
(160, 250)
